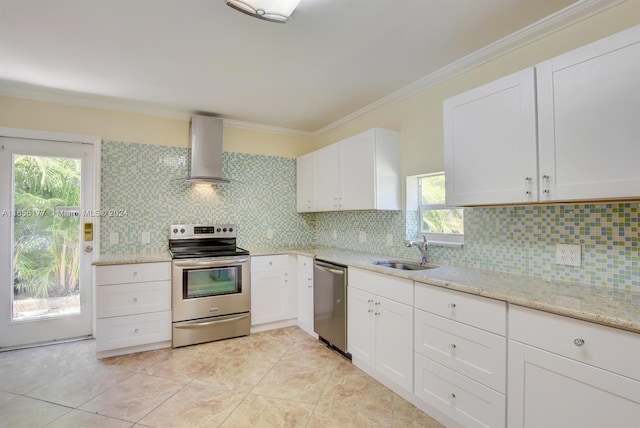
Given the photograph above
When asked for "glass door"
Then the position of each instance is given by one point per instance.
(46, 241)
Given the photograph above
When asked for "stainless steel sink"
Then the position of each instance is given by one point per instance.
(402, 265)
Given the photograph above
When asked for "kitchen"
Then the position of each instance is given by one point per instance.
(506, 233)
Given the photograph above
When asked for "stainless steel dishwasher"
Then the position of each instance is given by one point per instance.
(330, 304)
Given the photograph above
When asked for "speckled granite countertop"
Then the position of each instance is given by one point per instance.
(603, 305)
(127, 259)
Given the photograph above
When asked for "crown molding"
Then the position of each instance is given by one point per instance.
(267, 128)
(568, 16)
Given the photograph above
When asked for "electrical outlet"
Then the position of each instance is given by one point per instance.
(389, 240)
(362, 236)
(567, 254)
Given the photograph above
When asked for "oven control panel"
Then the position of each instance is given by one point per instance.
(196, 231)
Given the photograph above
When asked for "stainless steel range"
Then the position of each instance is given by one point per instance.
(210, 283)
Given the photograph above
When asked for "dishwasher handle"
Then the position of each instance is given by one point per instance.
(329, 267)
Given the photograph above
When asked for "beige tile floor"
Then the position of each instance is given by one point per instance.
(278, 378)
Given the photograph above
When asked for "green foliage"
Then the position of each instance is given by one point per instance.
(46, 242)
(436, 218)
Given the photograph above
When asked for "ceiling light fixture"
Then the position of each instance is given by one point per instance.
(269, 10)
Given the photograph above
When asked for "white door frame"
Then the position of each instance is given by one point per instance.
(73, 138)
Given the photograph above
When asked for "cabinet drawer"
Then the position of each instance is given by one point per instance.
(462, 399)
(138, 272)
(305, 264)
(480, 312)
(391, 287)
(265, 263)
(475, 353)
(130, 299)
(605, 347)
(132, 330)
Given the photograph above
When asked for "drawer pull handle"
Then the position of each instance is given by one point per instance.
(452, 305)
(135, 331)
(452, 395)
(578, 342)
(452, 346)
(377, 303)
(135, 273)
(370, 310)
(309, 286)
(377, 313)
(135, 299)
(370, 301)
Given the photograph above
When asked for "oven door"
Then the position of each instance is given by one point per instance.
(209, 287)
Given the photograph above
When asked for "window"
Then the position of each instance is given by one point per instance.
(441, 224)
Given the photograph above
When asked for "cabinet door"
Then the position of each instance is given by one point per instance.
(490, 143)
(326, 179)
(269, 297)
(304, 183)
(305, 293)
(357, 172)
(589, 101)
(547, 390)
(361, 326)
(394, 341)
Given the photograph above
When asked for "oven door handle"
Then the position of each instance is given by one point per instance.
(206, 323)
(208, 263)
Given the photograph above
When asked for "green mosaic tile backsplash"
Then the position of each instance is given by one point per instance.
(144, 180)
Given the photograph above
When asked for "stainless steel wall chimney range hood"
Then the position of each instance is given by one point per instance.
(206, 150)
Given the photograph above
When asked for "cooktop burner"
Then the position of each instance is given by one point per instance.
(200, 241)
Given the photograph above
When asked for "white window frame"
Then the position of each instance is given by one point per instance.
(438, 239)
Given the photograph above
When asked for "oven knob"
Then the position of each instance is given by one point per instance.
(182, 230)
(231, 229)
(219, 229)
(175, 230)
(224, 230)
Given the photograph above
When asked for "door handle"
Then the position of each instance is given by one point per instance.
(88, 249)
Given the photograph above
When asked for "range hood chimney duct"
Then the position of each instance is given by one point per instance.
(206, 150)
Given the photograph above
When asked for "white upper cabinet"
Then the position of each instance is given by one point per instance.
(589, 120)
(358, 173)
(326, 180)
(304, 183)
(583, 145)
(490, 143)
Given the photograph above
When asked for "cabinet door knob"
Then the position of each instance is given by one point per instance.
(452, 395)
(578, 342)
(135, 273)
(135, 299)
(135, 331)
(452, 305)
(452, 346)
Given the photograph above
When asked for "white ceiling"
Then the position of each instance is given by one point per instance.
(333, 57)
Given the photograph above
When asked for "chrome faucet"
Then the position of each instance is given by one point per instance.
(421, 245)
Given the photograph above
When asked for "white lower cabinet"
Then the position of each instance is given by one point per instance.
(305, 293)
(566, 372)
(461, 355)
(465, 401)
(272, 293)
(133, 308)
(380, 327)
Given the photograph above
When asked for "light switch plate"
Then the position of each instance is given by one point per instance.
(568, 254)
